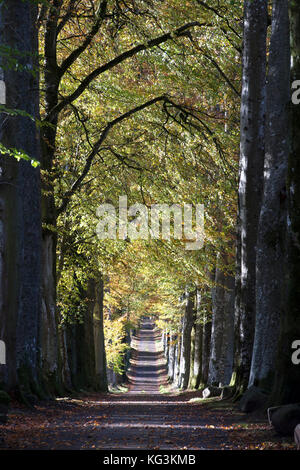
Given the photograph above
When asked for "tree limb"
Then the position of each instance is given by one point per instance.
(217, 13)
(97, 145)
(66, 17)
(116, 61)
(100, 14)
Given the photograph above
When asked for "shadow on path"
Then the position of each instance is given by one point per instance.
(147, 372)
(142, 418)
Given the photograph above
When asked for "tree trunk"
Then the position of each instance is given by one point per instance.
(271, 246)
(207, 326)
(185, 353)
(85, 340)
(196, 367)
(50, 364)
(251, 166)
(171, 357)
(215, 373)
(88, 324)
(50, 361)
(66, 373)
(100, 356)
(198, 355)
(71, 354)
(227, 351)
(191, 383)
(166, 341)
(20, 224)
(287, 378)
(237, 294)
(177, 356)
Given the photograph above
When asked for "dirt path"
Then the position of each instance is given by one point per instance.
(146, 417)
(147, 373)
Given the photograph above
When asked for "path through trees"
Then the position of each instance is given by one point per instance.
(151, 415)
(118, 121)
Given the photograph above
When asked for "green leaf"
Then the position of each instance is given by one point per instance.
(18, 154)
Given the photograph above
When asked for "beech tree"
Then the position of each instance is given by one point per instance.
(252, 150)
(185, 353)
(20, 198)
(271, 241)
(287, 373)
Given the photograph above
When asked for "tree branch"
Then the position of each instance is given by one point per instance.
(97, 145)
(116, 61)
(227, 80)
(217, 13)
(100, 14)
(66, 17)
(50, 36)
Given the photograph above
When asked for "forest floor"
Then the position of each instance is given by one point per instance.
(149, 415)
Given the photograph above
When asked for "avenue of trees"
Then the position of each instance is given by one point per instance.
(168, 102)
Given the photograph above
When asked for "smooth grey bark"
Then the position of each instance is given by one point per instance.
(196, 369)
(72, 353)
(100, 356)
(177, 356)
(112, 378)
(126, 358)
(66, 373)
(251, 168)
(20, 210)
(237, 295)
(76, 343)
(287, 376)
(88, 328)
(171, 356)
(50, 361)
(207, 326)
(185, 352)
(214, 372)
(222, 330)
(166, 341)
(227, 351)
(192, 359)
(271, 245)
(85, 340)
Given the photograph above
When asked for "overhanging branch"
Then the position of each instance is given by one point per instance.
(97, 146)
(116, 61)
(100, 14)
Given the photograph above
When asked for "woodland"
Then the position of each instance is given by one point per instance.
(183, 102)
